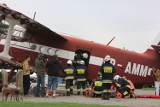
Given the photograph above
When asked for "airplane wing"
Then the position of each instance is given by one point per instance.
(30, 24)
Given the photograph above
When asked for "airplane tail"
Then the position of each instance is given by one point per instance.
(156, 43)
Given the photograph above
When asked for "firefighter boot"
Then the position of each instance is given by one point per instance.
(107, 95)
(127, 95)
(103, 96)
(68, 93)
(78, 93)
(83, 92)
(71, 91)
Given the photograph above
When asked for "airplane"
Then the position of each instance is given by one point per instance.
(31, 38)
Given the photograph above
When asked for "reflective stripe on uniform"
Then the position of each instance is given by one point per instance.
(125, 93)
(81, 79)
(98, 92)
(128, 86)
(106, 81)
(98, 83)
(78, 90)
(68, 89)
(106, 91)
(69, 77)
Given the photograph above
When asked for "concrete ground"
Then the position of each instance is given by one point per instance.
(131, 102)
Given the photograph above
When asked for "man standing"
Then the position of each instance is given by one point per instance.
(107, 70)
(81, 74)
(40, 70)
(156, 75)
(54, 67)
(69, 72)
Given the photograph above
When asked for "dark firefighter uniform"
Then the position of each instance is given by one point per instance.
(124, 87)
(97, 86)
(107, 70)
(78, 58)
(69, 72)
(81, 73)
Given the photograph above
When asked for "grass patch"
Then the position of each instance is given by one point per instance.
(59, 104)
(148, 88)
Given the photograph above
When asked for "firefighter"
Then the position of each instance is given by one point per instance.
(77, 59)
(69, 72)
(130, 82)
(123, 86)
(132, 88)
(81, 74)
(107, 70)
(97, 86)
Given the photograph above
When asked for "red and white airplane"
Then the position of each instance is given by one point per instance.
(32, 38)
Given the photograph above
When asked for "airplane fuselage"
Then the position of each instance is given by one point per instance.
(135, 66)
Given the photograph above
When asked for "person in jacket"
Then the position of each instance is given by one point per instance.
(54, 67)
(107, 70)
(69, 72)
(81, 74)
(40, 70)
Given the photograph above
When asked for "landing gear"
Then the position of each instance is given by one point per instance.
(106, 96)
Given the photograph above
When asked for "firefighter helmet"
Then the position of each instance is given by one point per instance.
(82, 62)
(107, 58)
(116, 77)
(85, 55)
(69, 62)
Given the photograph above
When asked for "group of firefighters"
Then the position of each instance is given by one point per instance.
(79, 73)
(102, 86)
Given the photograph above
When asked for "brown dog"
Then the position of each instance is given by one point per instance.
(13, 92)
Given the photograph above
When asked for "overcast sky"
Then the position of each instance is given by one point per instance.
(134, 23)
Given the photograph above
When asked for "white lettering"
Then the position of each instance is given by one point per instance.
(135, 69)
(149, 71)
(128, 68)
(143, 71)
